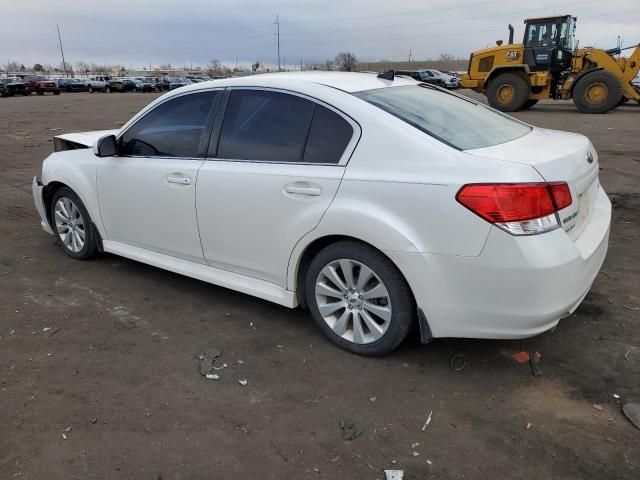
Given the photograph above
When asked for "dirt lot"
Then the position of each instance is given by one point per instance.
(99, 360)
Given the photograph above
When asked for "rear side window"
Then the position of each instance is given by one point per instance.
(270, 126)
(173, 129)
(458, 122)
(328, 137)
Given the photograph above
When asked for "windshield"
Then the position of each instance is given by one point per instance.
(458, 122)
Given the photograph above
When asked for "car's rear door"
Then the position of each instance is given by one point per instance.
(147, 192)
(275, 163)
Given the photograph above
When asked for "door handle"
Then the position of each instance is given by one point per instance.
(180, 180)
(303, 188)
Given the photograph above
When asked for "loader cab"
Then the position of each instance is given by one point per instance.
(549, 43)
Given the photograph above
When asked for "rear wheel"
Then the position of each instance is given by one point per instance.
(359, 299)
(508, 92)
(529, 103)
(90, 89)
(72, 225)
(40, 92)
(107, 89)
(597, 92)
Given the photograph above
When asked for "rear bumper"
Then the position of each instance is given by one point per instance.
(38, 199)
(518, 287)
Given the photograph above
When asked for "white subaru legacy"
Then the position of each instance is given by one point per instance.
(376, 202)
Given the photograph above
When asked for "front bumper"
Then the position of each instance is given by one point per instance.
(37, 190)
(517, 287)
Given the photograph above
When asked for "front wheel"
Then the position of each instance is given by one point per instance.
(107, 89)
(90, 89)
(359, 299)
(72, 225)
(597, 92)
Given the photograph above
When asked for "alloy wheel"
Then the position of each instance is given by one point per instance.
(69, 225)
(353, 301)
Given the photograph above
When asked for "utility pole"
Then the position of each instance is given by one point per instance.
(277, 22)
(300, 63)
(64, 65)
(409, 55)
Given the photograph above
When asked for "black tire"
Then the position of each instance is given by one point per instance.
(39, 92)
(57, 92)
(403, 309)
(90, 247)
(529, 103)
(26, 92)
(90, 89)
(597, 92)
(107, 89)
(519, 92)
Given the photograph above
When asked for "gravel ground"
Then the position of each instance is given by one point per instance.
(99, 360)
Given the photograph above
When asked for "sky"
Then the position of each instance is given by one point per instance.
(137, 33)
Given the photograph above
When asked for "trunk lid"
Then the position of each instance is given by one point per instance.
(557, 157)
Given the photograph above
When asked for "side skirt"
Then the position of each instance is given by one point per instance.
(223, 278)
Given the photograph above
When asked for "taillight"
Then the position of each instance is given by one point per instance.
(518, 208)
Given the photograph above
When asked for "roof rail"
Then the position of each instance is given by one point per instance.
(388, 75)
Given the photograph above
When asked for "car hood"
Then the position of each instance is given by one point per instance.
(87, 139)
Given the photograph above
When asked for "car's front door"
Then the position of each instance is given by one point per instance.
(275, 164)
(147, 192)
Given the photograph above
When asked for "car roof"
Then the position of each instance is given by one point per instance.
(346, 81)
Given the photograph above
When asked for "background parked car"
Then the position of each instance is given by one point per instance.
(12, 86)
(435, 77)
(71, 85)
(179, 82)
(40, 85)
(145, 84)
(121, 85)
(99, 82)
(164, 82)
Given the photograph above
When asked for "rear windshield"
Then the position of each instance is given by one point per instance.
(458, 122)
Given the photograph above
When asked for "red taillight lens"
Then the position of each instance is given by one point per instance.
(561, 194)
(519, 208)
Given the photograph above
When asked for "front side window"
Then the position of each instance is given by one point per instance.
(458, 122)
(263, 125)
(172, 129)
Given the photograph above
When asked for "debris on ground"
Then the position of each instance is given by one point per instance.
(535, 365)
(524, 357)
(415, 454)
(94, 420)
(529, 425)
(597, 407)
(415, 445)
(426, 424)
(243, 382)
(207, 359)
(212, 376)
(350, 429)
(394, 474)
(458, 362)
(372, 399)
(616, 396)
(632, 412)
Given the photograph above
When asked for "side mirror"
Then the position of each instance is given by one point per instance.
(106, 146)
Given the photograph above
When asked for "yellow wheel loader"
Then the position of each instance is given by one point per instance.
(547, 64)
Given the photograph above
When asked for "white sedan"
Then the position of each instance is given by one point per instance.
(377, 202)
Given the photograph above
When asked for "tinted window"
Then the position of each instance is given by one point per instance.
(328, 137)
(262, 125)
(459, 122)
(173, 129)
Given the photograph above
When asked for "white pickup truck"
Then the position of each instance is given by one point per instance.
(99, 82)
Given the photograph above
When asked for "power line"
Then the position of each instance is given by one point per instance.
(64, 64)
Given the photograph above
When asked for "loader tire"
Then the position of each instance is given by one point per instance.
(597, 92)
(529, 103)
(508, 92)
